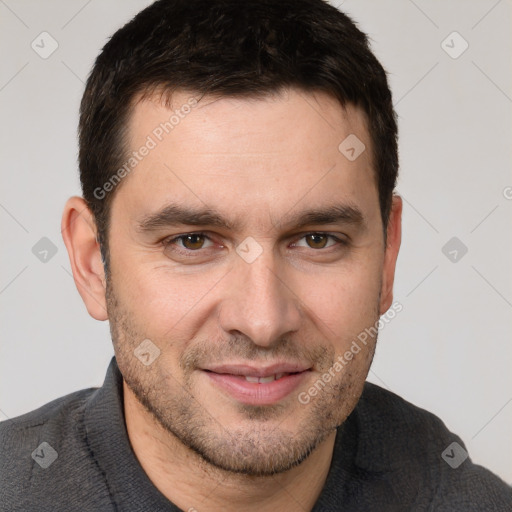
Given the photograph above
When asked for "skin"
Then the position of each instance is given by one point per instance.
(257, 162)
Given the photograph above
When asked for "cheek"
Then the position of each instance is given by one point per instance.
(168, 307)
(345, 301)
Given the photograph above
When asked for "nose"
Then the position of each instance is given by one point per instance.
(260, 303)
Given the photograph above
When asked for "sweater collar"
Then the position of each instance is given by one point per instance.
(129, 486)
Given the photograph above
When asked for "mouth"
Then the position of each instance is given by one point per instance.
(252, 385)
(264, 380)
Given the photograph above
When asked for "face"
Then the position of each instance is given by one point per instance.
(249, 250)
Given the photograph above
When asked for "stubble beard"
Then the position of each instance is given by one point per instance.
(264, 448)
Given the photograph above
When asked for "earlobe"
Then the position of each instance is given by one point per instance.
(394, 239)
(79, 233)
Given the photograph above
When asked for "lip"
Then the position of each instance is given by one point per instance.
(258, 371)
(231, 380)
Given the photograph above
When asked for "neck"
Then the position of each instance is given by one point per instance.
(191, 483)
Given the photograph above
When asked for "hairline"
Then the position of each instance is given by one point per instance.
(150, 92)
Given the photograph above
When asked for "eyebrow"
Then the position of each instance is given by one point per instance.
(334, 214)
(177, 215)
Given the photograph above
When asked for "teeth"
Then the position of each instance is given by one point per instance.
(263, 380)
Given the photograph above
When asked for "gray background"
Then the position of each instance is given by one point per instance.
(448, 351)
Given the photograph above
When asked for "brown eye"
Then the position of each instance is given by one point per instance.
(193, 241)
(316, 240)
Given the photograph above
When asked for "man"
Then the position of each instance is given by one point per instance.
(239, 230)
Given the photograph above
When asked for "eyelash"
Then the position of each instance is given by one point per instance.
(190, 252)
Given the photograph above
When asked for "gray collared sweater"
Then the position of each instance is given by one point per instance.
(73, 454)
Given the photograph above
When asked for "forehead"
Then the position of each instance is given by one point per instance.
(244, 156)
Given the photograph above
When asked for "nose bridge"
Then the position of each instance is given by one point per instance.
(259, 304)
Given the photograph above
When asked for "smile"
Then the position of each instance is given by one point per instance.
(257, 386)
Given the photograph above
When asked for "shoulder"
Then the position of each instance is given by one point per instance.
(46, 449)
(59, 415)
(414, 446)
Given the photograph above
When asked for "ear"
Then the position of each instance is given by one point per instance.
(394, 238)
(79, 233)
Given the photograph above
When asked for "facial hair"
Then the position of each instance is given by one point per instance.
(260, 445)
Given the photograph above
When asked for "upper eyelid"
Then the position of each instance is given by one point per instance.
(173, 238)
(330, 235)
